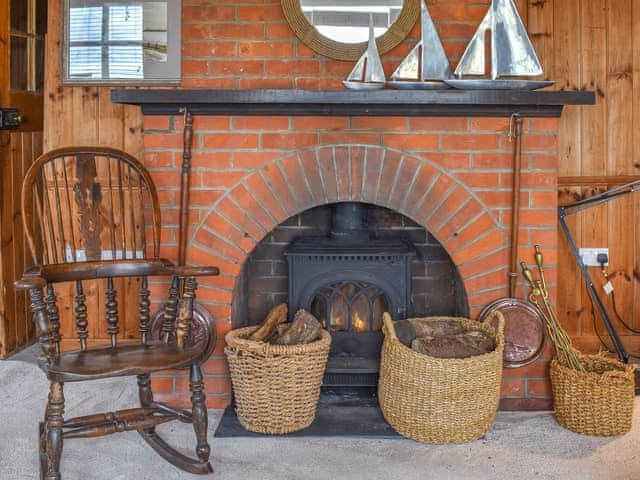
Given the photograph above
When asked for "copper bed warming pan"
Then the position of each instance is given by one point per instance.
(524, 330)
(524, 326)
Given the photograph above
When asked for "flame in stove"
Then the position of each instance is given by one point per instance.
(359, 325)
(336, 323)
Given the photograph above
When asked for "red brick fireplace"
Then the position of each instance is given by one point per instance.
(450, 173)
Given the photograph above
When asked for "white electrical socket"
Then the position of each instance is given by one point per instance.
(590, 256)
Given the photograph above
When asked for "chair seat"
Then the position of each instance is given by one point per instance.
(128, 358)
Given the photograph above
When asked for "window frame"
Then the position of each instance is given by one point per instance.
(155, 73)
(31, 36)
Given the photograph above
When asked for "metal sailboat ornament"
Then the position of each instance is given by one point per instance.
(368, 73)
(426, 66)
(512, 54)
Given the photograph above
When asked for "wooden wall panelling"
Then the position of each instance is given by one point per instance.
(619, 53)
(8, 341)
(567, 73)
(593, 57)
(593, 158)
(20, 148)
(56, 109)
(570, 298)
(635, 12)
(17, 330)
(4, 141)
(635, 271)
(599, 146)
(594, 234)
(620, 122)
(622, 254)
(635, 131)
(635, 141)
(541, 27)
(565, 50)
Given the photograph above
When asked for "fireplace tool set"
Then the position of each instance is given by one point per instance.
(539, 296)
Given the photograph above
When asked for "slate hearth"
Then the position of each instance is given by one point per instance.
(365, 421)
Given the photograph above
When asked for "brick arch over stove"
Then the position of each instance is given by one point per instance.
(407, 183)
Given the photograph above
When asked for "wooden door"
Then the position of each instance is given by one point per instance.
(22, 32)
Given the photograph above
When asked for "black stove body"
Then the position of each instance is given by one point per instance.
(348, 280)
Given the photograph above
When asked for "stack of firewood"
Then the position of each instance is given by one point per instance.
(442, 338)
(304, 328)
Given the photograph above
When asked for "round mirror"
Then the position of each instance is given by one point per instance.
(339, 29)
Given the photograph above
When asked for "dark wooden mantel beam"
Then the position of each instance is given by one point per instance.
(440, 103)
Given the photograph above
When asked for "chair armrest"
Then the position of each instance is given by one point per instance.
(187, 271)
(40, 275)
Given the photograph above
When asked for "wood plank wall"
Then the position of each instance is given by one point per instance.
(17, 151)
(16, 327)
(595, 45)
(583, 44)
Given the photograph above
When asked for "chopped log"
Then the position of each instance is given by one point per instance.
(478, 339)
(305, 328)
(276, 316)
(405, 331)
(443, 347)
(460, 345)
(436, 328)
(278, 332)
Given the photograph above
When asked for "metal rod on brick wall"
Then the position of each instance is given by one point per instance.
(184, 185)
(515, 206)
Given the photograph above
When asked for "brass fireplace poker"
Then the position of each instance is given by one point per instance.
(539, 296)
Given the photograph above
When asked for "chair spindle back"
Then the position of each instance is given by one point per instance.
(93, 204)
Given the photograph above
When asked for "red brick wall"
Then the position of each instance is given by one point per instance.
(243, 44)
(451, 176)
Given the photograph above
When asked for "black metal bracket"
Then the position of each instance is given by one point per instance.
(578, 206)
(9, 118)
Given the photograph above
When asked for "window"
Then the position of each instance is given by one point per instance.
(28, 24)
(122, 41)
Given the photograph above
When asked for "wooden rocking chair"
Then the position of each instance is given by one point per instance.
(88, 212)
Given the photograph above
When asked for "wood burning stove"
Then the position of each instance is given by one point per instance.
(347, 280)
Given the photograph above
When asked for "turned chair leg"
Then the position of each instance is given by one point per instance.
(52, 433)
(144, 390)
(199, 412)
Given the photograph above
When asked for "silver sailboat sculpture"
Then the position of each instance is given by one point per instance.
(368, 73)
(512, 54)
(426, 66)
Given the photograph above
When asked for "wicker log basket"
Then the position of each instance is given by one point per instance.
(597, 400)
(440, 400)
(592, 394)
(276, 387)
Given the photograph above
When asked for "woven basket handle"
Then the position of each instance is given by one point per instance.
(611, 374)
(495, 317)
(387, 326)
(627, 372)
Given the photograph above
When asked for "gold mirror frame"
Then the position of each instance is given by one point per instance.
(310, 36)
